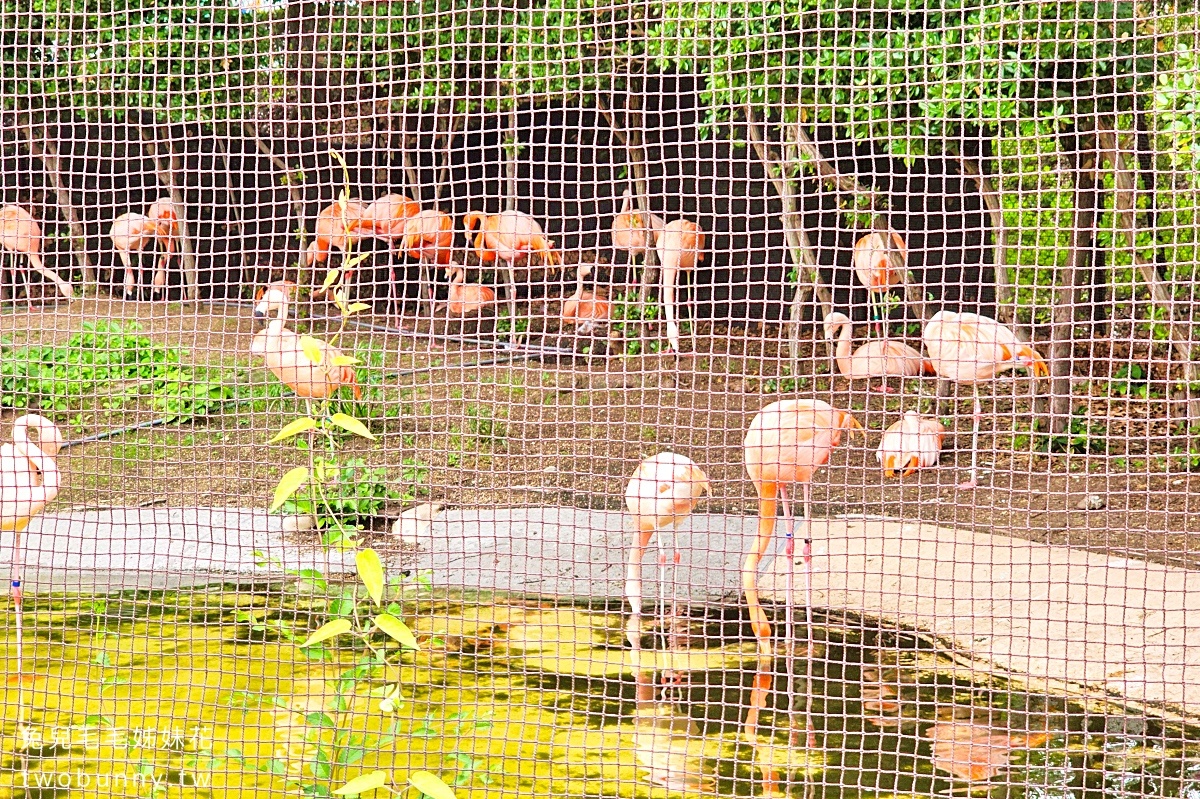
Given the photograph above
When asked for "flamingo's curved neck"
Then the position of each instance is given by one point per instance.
(43, 464)
(284, 305)
(842, 350)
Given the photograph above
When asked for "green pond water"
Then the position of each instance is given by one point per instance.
(203, 694)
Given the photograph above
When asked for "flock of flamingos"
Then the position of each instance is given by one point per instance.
(785, 444)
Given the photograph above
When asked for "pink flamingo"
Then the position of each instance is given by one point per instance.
(629, 234)
(285, 355)
(29, 480)
(586, 310)
(20, 234)
(509, 237)
(132, 232)
(879, 263)
(680, 246)
(466, 298)
(969, 348)
(337, 229)
(911, 443)
(786, 443)
(661, 493)
(386, 219)
(883, 359)
(163, 214)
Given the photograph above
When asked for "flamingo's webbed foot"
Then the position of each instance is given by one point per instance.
(966, 485)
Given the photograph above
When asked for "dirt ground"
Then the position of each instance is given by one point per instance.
(567, 429)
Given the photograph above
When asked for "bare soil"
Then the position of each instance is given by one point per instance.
(569, 428)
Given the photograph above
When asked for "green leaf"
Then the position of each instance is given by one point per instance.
(312, 348)
(358, 307)
(431, 785)
(366, 782)
(396, 629)
(319, 719)
(370, 571)
(330, 629)
(356, 260)
(352, 425)
(289, 484)
(330, 278)
(294, 428)
(345, 360)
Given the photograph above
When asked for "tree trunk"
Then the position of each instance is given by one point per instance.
(800, 248)
(1084, 158)
(1125, 207)
(805, 150)
(236, 199)
(635, 127)
(168, 171)
(412, 175)
(510, 161)
(295, 192)
(44, 149)
(1006, 300)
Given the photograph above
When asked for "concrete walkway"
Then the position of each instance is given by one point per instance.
(1108, 624)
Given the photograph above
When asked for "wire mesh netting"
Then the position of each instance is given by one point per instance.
(574, 398)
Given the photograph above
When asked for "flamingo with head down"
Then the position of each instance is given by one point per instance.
(661, 493)
(337, 229)
(21, 235)
(164, 215)
(786, 443)
(466, 298)
(970, 348)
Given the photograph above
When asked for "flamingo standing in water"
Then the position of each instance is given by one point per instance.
(680, 246)
(786, 443)
(337, 229)
(969, 348)
(21, 235)
(629, 234)
(661, 493)
(29, 480)
(586, 310)
(879, 263)
(386, 219)
(509, 237)
(164, 215)
(285, 355)
(913, 442)
(883, 359)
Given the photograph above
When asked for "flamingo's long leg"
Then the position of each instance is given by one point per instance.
(511, 291)
(976, 418)
(670, 612)
(17, 591)
(789, 606)
(633, 592)
(669, 277)
(758, 618)
(810, 731)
